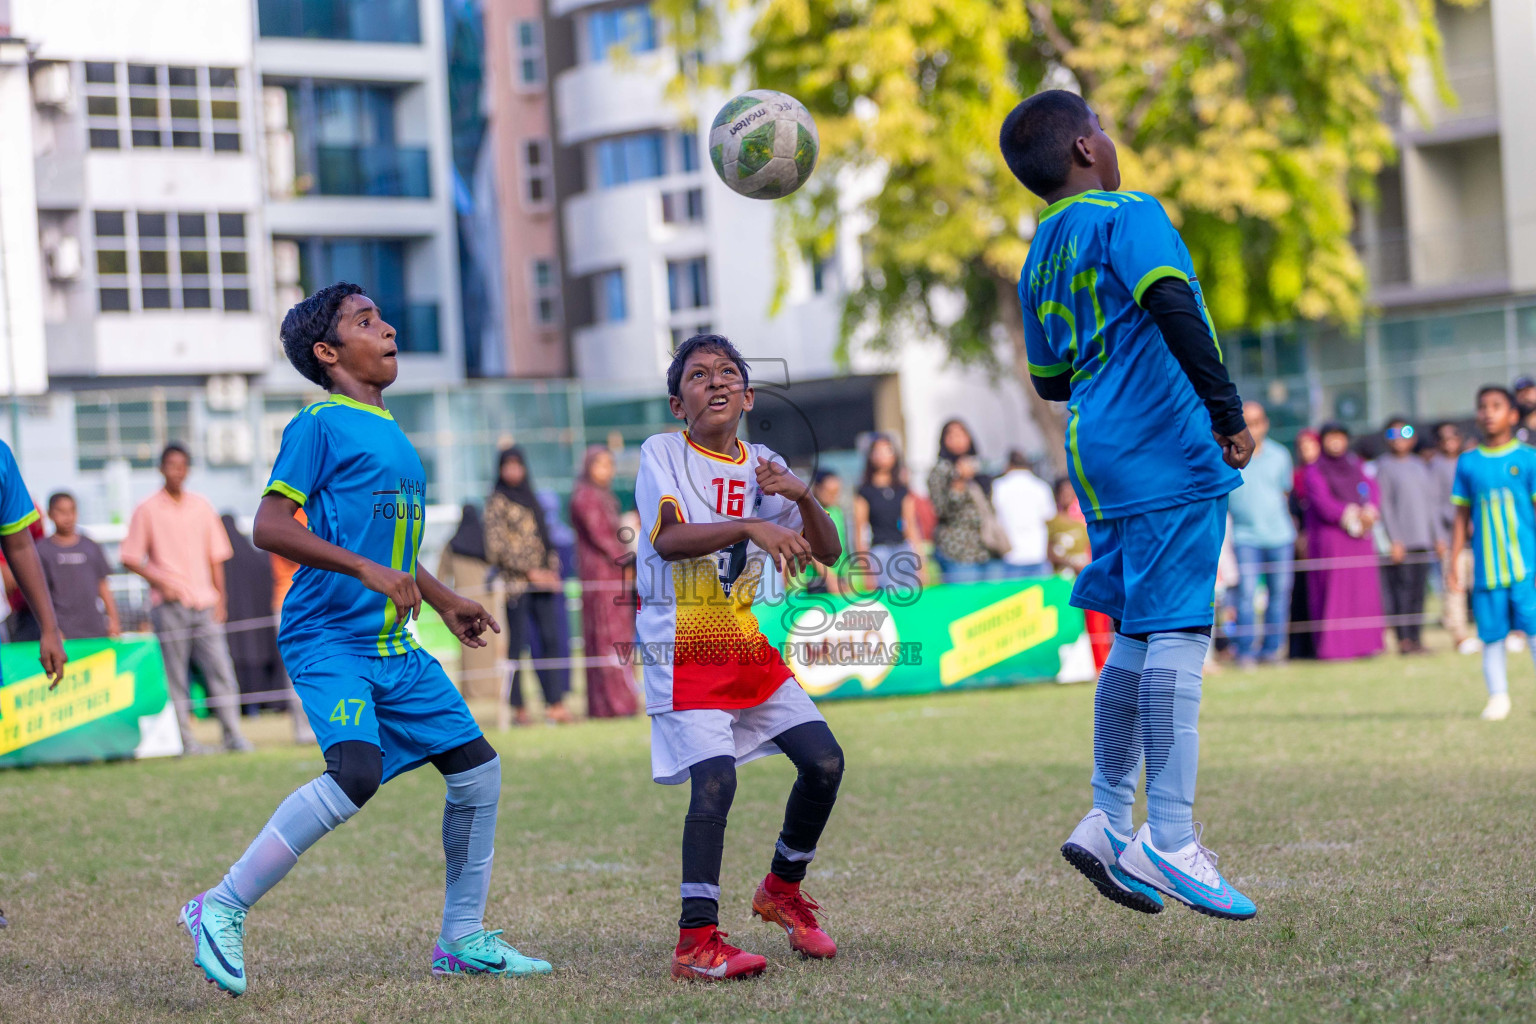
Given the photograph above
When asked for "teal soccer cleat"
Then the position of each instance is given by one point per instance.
(484, 953)
(1188, 875)
(1094, 848)
(218, 941)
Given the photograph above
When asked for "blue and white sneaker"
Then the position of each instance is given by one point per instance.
(1188, 875)
(484, 953)
(1094, 848)
(218, 941)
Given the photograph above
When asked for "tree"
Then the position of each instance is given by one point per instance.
(1257, 122)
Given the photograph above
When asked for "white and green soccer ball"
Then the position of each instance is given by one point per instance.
(764, 144)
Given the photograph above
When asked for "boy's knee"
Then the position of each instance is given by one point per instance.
(824, 773)
(357, 768)
(714, 786)
(478, 787)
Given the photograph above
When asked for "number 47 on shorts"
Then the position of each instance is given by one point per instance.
(340, 714)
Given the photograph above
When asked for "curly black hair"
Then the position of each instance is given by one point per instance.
(703, 343)
(311, 322)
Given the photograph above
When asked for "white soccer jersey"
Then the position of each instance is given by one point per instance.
(699, 637)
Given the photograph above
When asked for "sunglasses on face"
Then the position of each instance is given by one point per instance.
(1402, 433)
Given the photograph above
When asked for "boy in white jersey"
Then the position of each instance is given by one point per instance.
(719, 520)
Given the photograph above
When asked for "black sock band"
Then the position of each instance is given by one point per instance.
(703, 850)
(804, 820)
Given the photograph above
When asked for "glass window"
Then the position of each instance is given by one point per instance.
(609, 288)
(687, 152)
(232, 263)
(221, 78)
(528, 53)
(631, 27)
(157, 298)
(192, 225)
(630, 158)
(182, 77)
(237, 300)
(154, 263)
(104, 138)
(193, 262)
(143, 74)
(144, 138)
(231, 225)
(99, 72)
(185, 108)
(111, 223)
(101, 106)
(196, 298)
(688, 283)
(111, 261)
(113, 300)
(371, 21)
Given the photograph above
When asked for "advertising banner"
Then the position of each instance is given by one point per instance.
(112, 703)
(946, 637)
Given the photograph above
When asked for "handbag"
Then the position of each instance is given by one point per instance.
(993, 536)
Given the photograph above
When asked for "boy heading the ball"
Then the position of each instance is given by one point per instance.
(379, 704)
(719, 521)
(1115, 326)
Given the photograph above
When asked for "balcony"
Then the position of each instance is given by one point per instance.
(612, 97)
(1442, 263)
(419, 334)
(361, 21)
(390, 171)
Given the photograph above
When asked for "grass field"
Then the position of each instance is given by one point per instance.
(1377, 823)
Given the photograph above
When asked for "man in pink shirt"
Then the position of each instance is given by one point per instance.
(176, 542)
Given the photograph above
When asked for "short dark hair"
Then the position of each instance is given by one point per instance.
(310, 322)
(1017, 459)
(1488, 389)
(175, 448)
(58, 496)
(1397, 421)
(702, 343)
(823, 475)
(1037, 138)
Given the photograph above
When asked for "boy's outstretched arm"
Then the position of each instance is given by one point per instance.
(1173, 307)
(466, 618)
(277, 531)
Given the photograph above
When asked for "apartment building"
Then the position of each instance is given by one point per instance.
(1450, 247)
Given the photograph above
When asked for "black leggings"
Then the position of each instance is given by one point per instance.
(819, 760)
(543, 608)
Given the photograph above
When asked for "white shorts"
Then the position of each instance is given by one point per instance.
(681, 739)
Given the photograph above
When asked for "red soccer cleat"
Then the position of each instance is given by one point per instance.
(782, 903)
(702, 956)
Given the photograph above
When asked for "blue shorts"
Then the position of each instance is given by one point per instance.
(403, 704)
(1156, 570)
(1499, 611)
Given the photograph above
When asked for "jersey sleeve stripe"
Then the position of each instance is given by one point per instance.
(1154, 275)
(286, 490)
(1458, 500)
(677, 506)
(6, 529)
(1053, 370)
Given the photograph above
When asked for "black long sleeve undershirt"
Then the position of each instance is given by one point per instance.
(1173, 307)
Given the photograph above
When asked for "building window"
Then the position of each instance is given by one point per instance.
(631, 158)
(685, 207)
(379, 265)
(682, 334)
(632, 28)
(166, 107)
(687, 152)
(363, 21)
(171, 261)
(546, 293)
(131, 424)
(608, 297)
(528, 54)
(538, 174)
(688, 283)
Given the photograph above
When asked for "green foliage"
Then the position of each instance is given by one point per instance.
(1257, 122)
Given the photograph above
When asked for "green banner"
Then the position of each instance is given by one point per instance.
(112, 703)
(947, 637)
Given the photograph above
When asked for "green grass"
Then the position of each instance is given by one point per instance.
(1377, 823)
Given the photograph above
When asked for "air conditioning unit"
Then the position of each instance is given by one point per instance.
(226, 393)
(272, 426)
(63, 257)
(52, 85)
(274, 108)
(229, 444)
(282, 166)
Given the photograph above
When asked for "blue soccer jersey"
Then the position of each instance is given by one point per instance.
(1138, 439)
(1498, 486)
(364, 489)
(16, 509)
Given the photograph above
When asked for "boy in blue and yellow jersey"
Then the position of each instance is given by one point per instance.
(1115, 326)
(379, 704)
(1494, 491)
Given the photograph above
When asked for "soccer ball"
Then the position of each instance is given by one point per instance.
(764, 144)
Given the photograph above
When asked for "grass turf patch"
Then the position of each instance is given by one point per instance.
(1378, 825)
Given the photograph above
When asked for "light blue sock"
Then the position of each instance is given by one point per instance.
(1116, 737)
(469, 846)
(1495, 672)
(1170, 737)
(308, 813)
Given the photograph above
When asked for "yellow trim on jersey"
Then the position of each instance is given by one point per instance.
(25, 521)
(1154, 275)
(741, 449)
(352, 403)
(1465, 503)
(286, 490)
(676, 505)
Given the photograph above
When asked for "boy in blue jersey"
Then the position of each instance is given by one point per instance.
(1115, 326)
(1494, 492)
(379, 704)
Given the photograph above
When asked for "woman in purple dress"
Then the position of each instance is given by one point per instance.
(607, 615)
(1341, 508)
